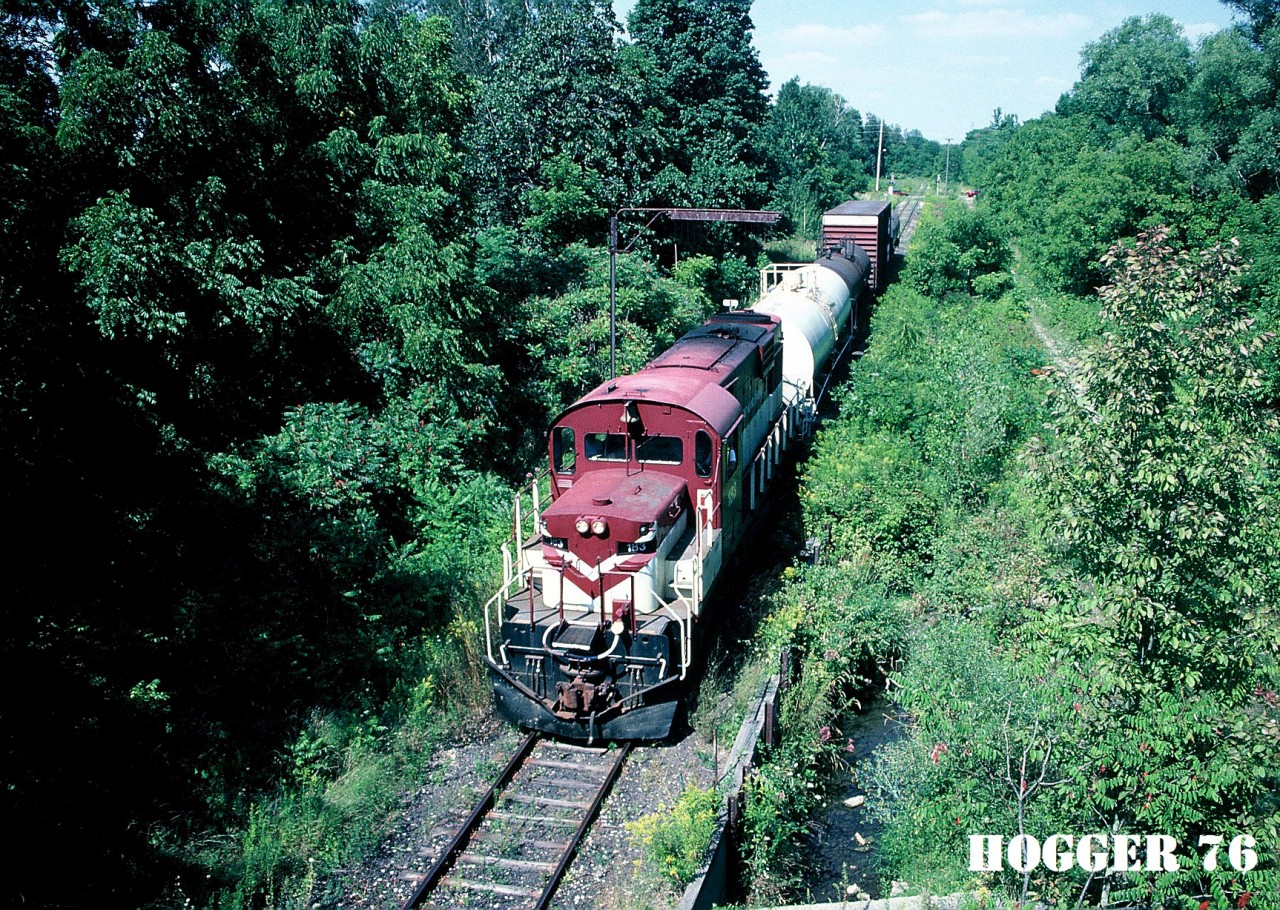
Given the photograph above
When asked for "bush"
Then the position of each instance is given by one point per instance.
(980, 756)
(842, 629)
(674, 841)
(962, 252)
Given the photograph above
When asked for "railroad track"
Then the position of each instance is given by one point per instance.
(908, 215)
(518, 841)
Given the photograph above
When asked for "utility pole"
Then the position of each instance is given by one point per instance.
(879, 155)
(947, 183)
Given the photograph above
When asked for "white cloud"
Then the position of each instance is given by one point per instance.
(980, 61)
(1055, 82)
(808, 34)
(1001, 23)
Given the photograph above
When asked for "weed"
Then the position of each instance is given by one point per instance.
(675, 840)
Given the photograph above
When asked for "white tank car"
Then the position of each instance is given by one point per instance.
(816, 309)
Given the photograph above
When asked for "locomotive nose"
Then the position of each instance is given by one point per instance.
(608, 513)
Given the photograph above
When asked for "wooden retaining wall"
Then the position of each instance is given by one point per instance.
(759, 727)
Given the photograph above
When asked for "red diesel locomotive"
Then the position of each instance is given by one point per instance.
(654, 480)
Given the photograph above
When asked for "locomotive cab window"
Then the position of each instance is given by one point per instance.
(702, 453)
(604, 447)
(562, 453)
(660, 450)
(729, 459)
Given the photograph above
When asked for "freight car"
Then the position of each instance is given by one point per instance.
(655, 478)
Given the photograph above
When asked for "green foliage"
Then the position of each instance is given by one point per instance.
(1177, 544)
(554, 120)
(928, 422)
(791, 249)
(1227, 112)
(984, 753)
(1124, 679)
(1131, 76)
(980, 154)
(565, 339)
(818, 158)
(674, 840)
(842, 630)
(1177, 538)
(374, 511)
(963, 252)
(345, 773)
(1074, 320)
(1067, 198)
(870, 497)
(247, 267)
(706, 83)
(909, 153)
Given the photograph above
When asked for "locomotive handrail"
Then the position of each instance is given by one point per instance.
(774, 274)
(686, 630)
(513, 564)
(706, 509)
(532, 491)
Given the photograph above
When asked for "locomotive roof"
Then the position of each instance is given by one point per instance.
(719, 346)
(690, 373)
(691, 388)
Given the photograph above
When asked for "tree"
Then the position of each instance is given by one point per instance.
(218, 210)
(1175, 535)
(960, 253)
(1228, 115)
(1131, 75)
(813, 142)
(1159, 489)
(1262, 14)
(983, 147)
(552, 126)
(708, 88)
(1068, 197)
(486, 29)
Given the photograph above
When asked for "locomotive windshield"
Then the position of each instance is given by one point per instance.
(604, 447)
(660, 450)
(650, 450)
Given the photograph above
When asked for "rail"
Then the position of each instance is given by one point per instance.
(518, 813)
(459, 841)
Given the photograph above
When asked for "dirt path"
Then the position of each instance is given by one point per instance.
(1064, 363)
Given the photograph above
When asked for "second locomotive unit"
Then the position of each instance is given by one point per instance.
(654, 481)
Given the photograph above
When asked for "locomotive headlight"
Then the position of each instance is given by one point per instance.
(582, 525)
(598, 527)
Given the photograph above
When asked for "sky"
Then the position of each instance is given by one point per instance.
(944, 66)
